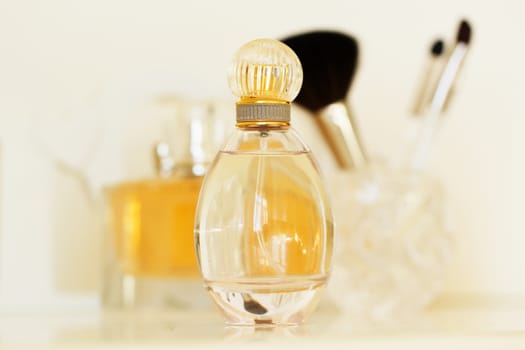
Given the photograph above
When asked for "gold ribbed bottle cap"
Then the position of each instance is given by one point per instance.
(266, 75)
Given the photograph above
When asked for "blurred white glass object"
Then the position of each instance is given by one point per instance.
(392, 245)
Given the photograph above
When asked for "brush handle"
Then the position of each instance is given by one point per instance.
(420, 152)
(448, 77)
(424, 91)
(423, 144)
(339, 129)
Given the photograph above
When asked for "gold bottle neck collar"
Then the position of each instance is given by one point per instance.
(261, 113)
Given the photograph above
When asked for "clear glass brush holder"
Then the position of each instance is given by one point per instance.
(392, 245)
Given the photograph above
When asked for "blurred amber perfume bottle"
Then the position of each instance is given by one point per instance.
(151, 260)
(152, 221)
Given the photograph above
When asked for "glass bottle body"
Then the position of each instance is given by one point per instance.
(150, 250)
(150, 221)
(264, 229)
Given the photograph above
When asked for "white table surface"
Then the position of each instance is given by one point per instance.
(449, 324)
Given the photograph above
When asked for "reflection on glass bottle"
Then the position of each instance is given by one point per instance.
(263, 226)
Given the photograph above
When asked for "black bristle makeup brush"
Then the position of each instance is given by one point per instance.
(329, 61)
(437, 48)
(429, 77)
(452, 68)
(441, 95)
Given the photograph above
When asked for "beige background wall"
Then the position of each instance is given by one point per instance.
(62, 60)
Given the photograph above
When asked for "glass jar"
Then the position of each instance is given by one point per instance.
(393, 248)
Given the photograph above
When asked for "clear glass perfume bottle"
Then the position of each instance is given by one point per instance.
(263, 226)
(150, 255)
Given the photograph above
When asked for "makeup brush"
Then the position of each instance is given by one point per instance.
(452, 68)
(329, 61)
(429, 77)
(441, 95)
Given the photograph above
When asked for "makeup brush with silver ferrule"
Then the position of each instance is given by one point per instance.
(430, 74)
(440, 97)
(442, 92)
(329, 61)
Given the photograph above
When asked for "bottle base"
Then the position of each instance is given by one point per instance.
(266, 302)
(130, 292)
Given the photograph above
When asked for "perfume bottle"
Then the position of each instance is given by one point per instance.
(263, 225)
(150, 255)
